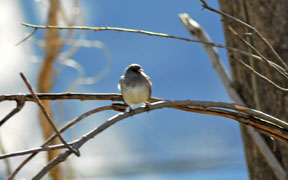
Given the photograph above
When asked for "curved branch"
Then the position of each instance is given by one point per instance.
(260, 121)
(275, 129)
(240, 117)
(19, 106)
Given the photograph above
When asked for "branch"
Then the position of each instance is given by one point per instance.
(97, 29)
(275, 129)
(75, 151)
(206, 6)
(116, 107)
(19, 106)
(202, 107)
(63, 96)
(195, 30)
(259, 75)
(30, 35)
(66, 96)
(34, 150)
(235, 33)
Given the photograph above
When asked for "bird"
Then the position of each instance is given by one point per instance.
(135, 86)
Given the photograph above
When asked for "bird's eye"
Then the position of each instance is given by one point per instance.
(135, 70)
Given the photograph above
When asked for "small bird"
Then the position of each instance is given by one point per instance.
(135, 85)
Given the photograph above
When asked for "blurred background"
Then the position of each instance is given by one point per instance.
(162, 144)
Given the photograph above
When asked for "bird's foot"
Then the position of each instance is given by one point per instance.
(131, 110)
(147, 108)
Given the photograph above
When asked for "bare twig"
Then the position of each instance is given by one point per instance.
(259, 75)
(30, 35)
(19, 106)
(64, 128)
(34, 150)
(205, 5)
(252, 69)
(282, 132)
(65, 96)
(255, 50)
(76, 152)
(96, 29)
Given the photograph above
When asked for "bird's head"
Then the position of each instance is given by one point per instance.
(136, 68)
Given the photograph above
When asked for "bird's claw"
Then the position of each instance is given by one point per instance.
(131, 110)
(147, 108)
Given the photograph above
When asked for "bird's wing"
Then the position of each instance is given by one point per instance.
(150, 83)
(148, 78)
(150, 91)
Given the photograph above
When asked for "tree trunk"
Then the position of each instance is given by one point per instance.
(270, 18)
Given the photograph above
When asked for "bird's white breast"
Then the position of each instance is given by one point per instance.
(136, 95)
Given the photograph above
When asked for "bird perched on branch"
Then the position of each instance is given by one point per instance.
(135, 85)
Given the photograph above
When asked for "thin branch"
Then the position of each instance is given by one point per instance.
(166, 104)
(65, 96)
(97, 29)
(76, 152)
(259, 75)
(235, 33)
(205, 5)
(117, 107)
(19, 106)
(30, 35)
(34, 150)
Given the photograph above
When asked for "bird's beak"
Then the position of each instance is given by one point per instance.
(140, 70)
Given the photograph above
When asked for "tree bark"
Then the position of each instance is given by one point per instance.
(270, 18)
